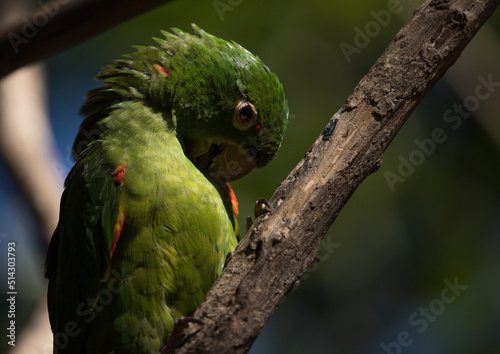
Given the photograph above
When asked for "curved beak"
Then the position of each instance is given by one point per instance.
(222, 161)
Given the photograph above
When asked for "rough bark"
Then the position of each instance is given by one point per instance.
(280, 246)
(60, 24)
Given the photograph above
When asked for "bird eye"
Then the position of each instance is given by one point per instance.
(245, 115)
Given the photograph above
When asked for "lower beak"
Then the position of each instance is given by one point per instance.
(223, 162)
(231, 164)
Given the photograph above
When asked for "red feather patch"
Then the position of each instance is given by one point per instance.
(234, 200)
(161, 70)
(117, 230)
(118, 173)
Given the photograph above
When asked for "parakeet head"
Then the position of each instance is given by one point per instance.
(227, 108)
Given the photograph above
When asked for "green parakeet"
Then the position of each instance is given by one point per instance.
(147, 218)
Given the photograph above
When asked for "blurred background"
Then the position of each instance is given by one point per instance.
(411, 264)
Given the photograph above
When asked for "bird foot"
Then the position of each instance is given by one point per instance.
(261, 207)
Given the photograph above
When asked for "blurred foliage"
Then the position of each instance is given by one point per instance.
(390, 252)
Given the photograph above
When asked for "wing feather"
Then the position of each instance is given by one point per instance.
(79, 254)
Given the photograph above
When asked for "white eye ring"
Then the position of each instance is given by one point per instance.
(245, 115)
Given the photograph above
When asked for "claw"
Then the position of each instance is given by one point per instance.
(262, 207)
(248, 223)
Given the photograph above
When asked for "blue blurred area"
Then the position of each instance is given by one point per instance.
(393, 249)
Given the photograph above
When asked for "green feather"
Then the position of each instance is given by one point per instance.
(122, 294)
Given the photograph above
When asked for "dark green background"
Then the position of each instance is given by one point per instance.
(391, 251)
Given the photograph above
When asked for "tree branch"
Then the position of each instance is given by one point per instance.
(270, 260)
(27, 146)
(61, 24)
